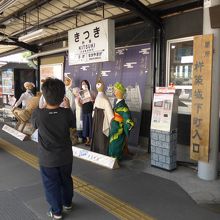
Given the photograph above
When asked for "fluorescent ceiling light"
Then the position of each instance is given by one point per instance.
(85, 4)
(2, 63)
(32, 35)
(14, 58)
(8, 21)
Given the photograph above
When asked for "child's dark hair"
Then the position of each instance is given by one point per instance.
(53, 91)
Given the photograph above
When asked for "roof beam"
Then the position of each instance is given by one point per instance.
(18, 43)
(11, 52)
(7, 43)
(167, 8)
(31, 6)
(138, 8)
(31, 48)
(57, 18)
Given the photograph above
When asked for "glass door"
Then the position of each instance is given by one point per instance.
(180, 71)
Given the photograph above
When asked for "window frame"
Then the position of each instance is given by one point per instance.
(168, 51)
(169, 42)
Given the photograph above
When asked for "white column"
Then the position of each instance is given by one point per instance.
(208, 171)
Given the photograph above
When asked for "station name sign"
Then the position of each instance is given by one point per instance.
(92, 43)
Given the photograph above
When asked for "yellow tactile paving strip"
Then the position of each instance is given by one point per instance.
(111, 204)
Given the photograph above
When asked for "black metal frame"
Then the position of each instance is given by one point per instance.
(142, 12)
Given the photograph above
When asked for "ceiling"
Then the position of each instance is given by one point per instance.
(19, 17)
(56, 17)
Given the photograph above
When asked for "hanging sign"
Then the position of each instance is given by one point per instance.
(201, 97)
(92, 43)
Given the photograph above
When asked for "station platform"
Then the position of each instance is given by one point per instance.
(99, 193)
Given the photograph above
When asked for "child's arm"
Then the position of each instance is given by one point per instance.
(72, 119)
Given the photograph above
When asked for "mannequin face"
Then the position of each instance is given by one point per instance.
(76, 91)
(67, 81)
(118, 94)
(100, 87)
(29, 86)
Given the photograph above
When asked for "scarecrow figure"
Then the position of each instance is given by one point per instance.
(121, 124)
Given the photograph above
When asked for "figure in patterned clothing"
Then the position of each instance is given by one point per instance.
(121, 124)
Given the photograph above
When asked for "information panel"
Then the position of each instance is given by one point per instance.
(162, 111)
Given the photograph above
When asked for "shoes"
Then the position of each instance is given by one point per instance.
(53, 216)
(67, 208)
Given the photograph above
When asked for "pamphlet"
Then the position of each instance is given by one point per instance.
(85, 96)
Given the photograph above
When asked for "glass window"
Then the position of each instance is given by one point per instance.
(8, 82)
(51, 70)
(181, 61)
(180, 70)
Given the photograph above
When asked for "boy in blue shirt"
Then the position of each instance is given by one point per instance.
(55, 147)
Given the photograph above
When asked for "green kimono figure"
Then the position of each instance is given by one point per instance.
(121, 124)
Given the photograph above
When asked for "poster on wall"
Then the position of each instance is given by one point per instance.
(51, 70)
(132, 67)
(8, 82)
(92, 43)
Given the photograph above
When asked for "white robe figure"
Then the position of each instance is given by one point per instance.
(69, 95)
(102, 102)
(69, 92)
(102, 116)
(78, 111)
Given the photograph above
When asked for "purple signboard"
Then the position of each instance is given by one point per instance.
(132, 67)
